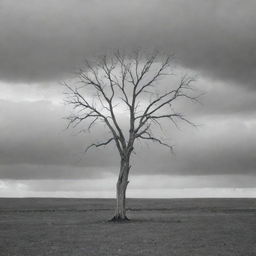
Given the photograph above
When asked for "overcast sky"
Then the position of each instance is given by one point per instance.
(43, 42)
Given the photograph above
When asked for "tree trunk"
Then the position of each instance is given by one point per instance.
(121, 186)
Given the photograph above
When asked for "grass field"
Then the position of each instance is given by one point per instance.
(166, 227)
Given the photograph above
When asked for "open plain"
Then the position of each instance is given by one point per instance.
(175, 227)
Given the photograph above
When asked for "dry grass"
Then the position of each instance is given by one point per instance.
(67, 227)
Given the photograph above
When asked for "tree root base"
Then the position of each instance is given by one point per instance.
(119, 219)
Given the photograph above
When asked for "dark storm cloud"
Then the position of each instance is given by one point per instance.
(34, 145)
(43, 40)
(221, 99)
(228, 148)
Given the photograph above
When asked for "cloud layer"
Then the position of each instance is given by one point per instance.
(43, 42)
(34, 144)
(48, 40)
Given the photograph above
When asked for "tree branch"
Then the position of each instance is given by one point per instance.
(99, 144)
(127, 80)
(154, 139)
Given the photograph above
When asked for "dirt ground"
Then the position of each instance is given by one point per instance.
(166, 227)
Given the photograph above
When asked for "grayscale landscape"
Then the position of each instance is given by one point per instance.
(178, 227)
(127, 128)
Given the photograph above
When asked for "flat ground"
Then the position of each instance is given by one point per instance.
(67, 227)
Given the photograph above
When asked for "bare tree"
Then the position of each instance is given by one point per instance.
(119, 80)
